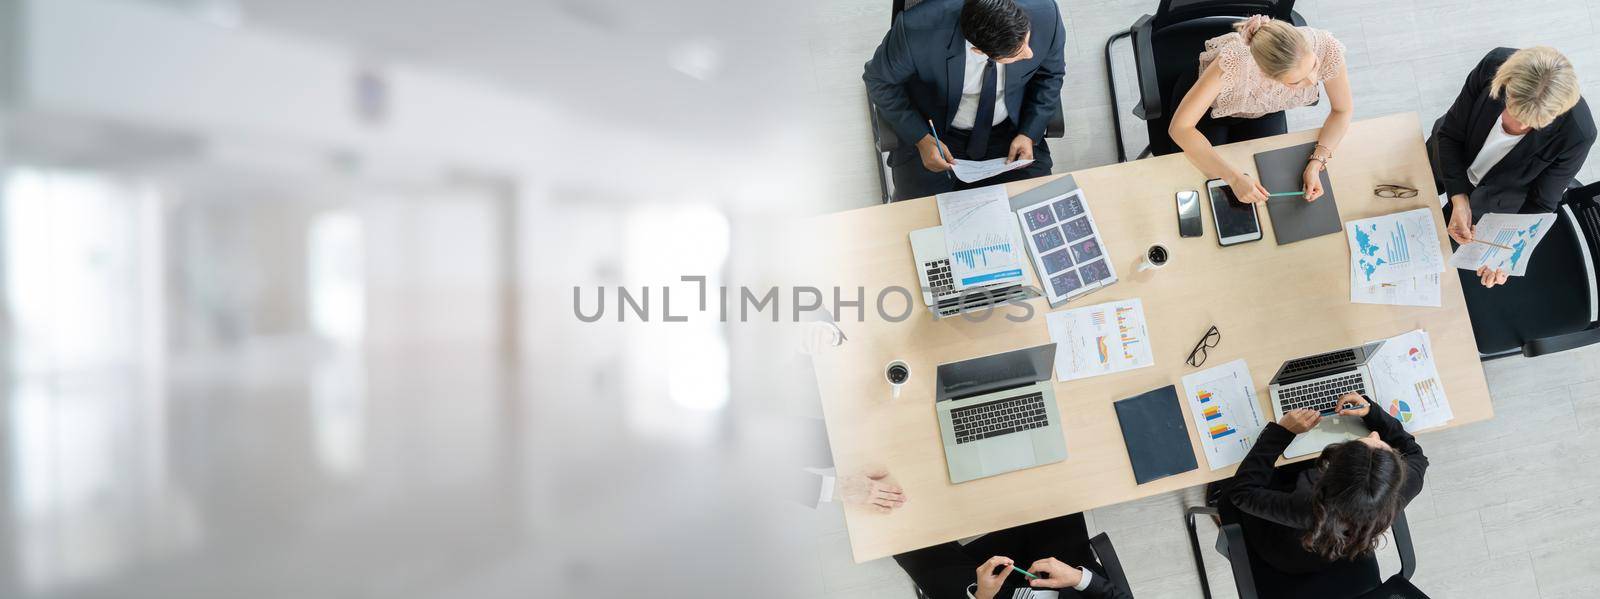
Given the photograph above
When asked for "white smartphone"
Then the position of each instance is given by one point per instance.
(1236, 221)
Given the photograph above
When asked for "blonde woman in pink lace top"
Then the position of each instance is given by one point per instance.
(1247, 79)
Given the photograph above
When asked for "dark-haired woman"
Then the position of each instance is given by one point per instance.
(1302, 519)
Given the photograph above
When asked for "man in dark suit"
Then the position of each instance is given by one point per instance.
(982, 568)
(1512, 141)
(987, 73)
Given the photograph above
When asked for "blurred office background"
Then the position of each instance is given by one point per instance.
(288, 303)
(286, 291)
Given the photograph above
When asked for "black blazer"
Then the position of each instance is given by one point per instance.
(917, 71)
(1285, 502)
(1534, 175)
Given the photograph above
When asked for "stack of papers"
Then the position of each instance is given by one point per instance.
(1406, 382)
(1222, 402)
(980, 234)
(1518, 232)
(1100, 339)
(1395, 259)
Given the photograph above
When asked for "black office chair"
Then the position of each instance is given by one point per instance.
(1104, 552)
(1347, 580)
(1167, 45)
(1555, 306)
(885, 141)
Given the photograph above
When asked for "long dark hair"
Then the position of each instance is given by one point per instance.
(1355, 500)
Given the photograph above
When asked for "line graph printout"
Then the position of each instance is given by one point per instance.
(1416, 291)
(1100, 339)
(1223, 406)
(1393, 247)
(980, 234)
(1520, 232)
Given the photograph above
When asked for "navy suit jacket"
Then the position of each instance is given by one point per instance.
(916, 73)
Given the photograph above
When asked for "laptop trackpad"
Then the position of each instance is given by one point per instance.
(1333, 429)
(1012, 452)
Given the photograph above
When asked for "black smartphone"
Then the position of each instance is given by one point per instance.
(1189, 214)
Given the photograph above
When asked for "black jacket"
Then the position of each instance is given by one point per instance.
(1534, 175)
(1284, 503)
(916, 73)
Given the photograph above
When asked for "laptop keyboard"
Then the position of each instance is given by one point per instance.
(1005, 416)
(939, 279)
(1317, 362)
(1322, 395)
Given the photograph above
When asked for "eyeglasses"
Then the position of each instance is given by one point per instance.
(1394, 191)
(1198, 355)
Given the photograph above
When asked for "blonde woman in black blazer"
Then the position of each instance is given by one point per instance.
(1511, 142)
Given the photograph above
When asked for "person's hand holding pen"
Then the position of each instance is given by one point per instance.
(1353, 404)
(935, 156)
(1460, 227)
(991, 575)
(1313, 181)
(1055, 574)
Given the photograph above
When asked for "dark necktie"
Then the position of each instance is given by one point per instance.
(978, 144)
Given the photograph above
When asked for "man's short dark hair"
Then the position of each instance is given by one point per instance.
(995, 27)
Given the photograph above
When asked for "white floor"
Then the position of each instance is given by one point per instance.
(1512, 506)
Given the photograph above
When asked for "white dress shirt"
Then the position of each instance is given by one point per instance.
(972, 86)
(1495, 147)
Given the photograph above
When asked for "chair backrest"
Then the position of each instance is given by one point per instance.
(1584, 203)
(1396, 587)
(1178, 11)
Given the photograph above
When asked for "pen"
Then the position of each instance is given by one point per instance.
(1024, 572)
(1489, 244)
(939, 145)
(1286, 193)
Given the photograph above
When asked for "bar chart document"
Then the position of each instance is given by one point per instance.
(980, 234)
(1223, 405)
(1406, 383)
(1100, 339)
(1393, 248)
(1516, 233)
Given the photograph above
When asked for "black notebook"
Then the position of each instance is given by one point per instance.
(1156, 435)
(1293, 218)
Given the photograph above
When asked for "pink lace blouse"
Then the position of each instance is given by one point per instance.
(1247, 92)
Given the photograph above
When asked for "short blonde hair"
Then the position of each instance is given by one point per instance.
(1276, 46)
(1539, 85)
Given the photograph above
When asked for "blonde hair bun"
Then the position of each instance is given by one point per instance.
(1276, 46)
(1539, 85)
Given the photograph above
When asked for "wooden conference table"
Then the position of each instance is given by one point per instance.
(1271, 303)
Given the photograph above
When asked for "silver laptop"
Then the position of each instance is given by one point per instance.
(1316, 382)
(998, 413)
(939, 291)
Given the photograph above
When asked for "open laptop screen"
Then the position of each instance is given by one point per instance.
(995, 372)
